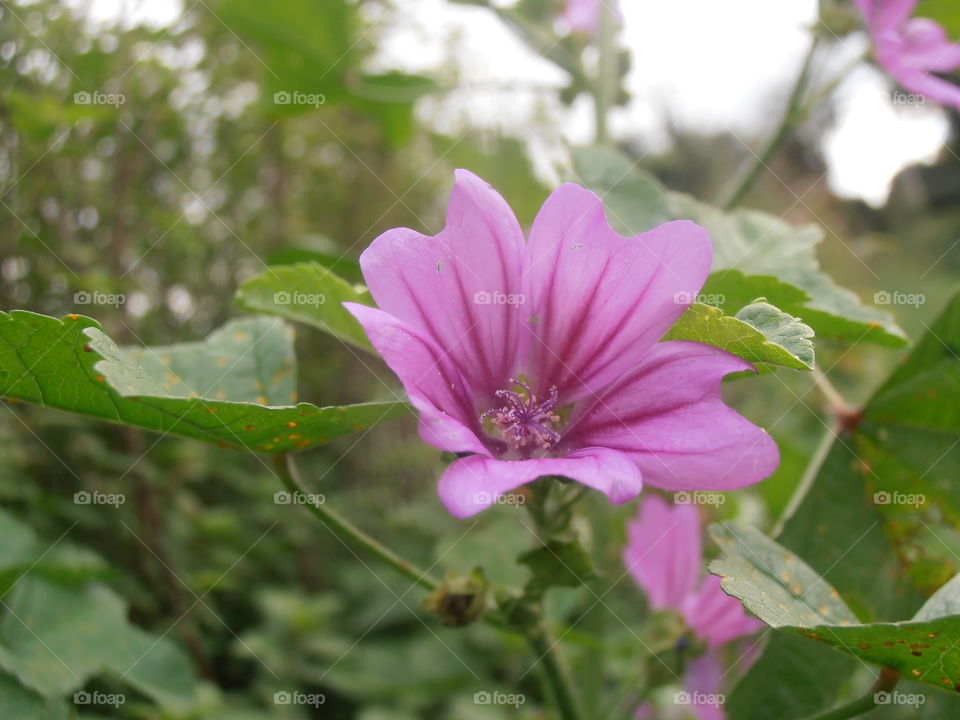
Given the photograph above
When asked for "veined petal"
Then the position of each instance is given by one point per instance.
(448, 418)
(599, 300)
(663, 551)
(461, 287)
(474, 483)
(668, 415)
(715, 616)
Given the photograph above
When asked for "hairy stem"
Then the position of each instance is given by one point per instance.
(347, 531)
(555, 675)
(809, 475)
(792, 116)
(350, 534)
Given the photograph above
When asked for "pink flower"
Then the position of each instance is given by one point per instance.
(912, 49)
(541, 357)
(664, 555)
(584, 15)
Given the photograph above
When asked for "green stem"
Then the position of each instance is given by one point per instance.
(603, 86)
(347, 531)
(809, 475)
(888, 680)
(352, 535)
(577, 495)
(792, 116)
(555, 675)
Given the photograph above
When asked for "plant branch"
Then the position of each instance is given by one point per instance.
(793, 114)
(545, 650)
(604, 83)
(809, 475)
(347, 531)
(555, 674)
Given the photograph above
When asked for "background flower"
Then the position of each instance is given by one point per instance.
(584, 15)
(911, 50)
(664, 555)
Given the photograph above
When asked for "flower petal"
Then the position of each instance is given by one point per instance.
(584, 15)
(704, 677)
(717, 617)
(866, 7)
(890, 14)
(930, 86)
(668, 415)
(448, 419)
(927, 47)
(473, 483)
(663, 552)
(461, 287)
(600, 300)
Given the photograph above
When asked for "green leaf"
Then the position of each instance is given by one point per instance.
(247, 360)
(389, 98)
(772, 582)
(54, 638)
(945, 601)
(393, 87)
(57, 631)
(759, 333)
(17, 701)
(751, 242)
(841, 526)
(22, 551)
(816, 677)
(309, 293)
(922, 392)
(631, 198)
(558, 563)
(216, 391)
(301, 46)
(788, 594)
(780, 329)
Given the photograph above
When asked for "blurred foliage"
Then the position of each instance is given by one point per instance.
(248, 133)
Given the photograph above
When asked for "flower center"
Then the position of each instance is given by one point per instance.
(524, 419)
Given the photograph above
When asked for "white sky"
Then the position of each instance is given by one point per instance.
(704, 64)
